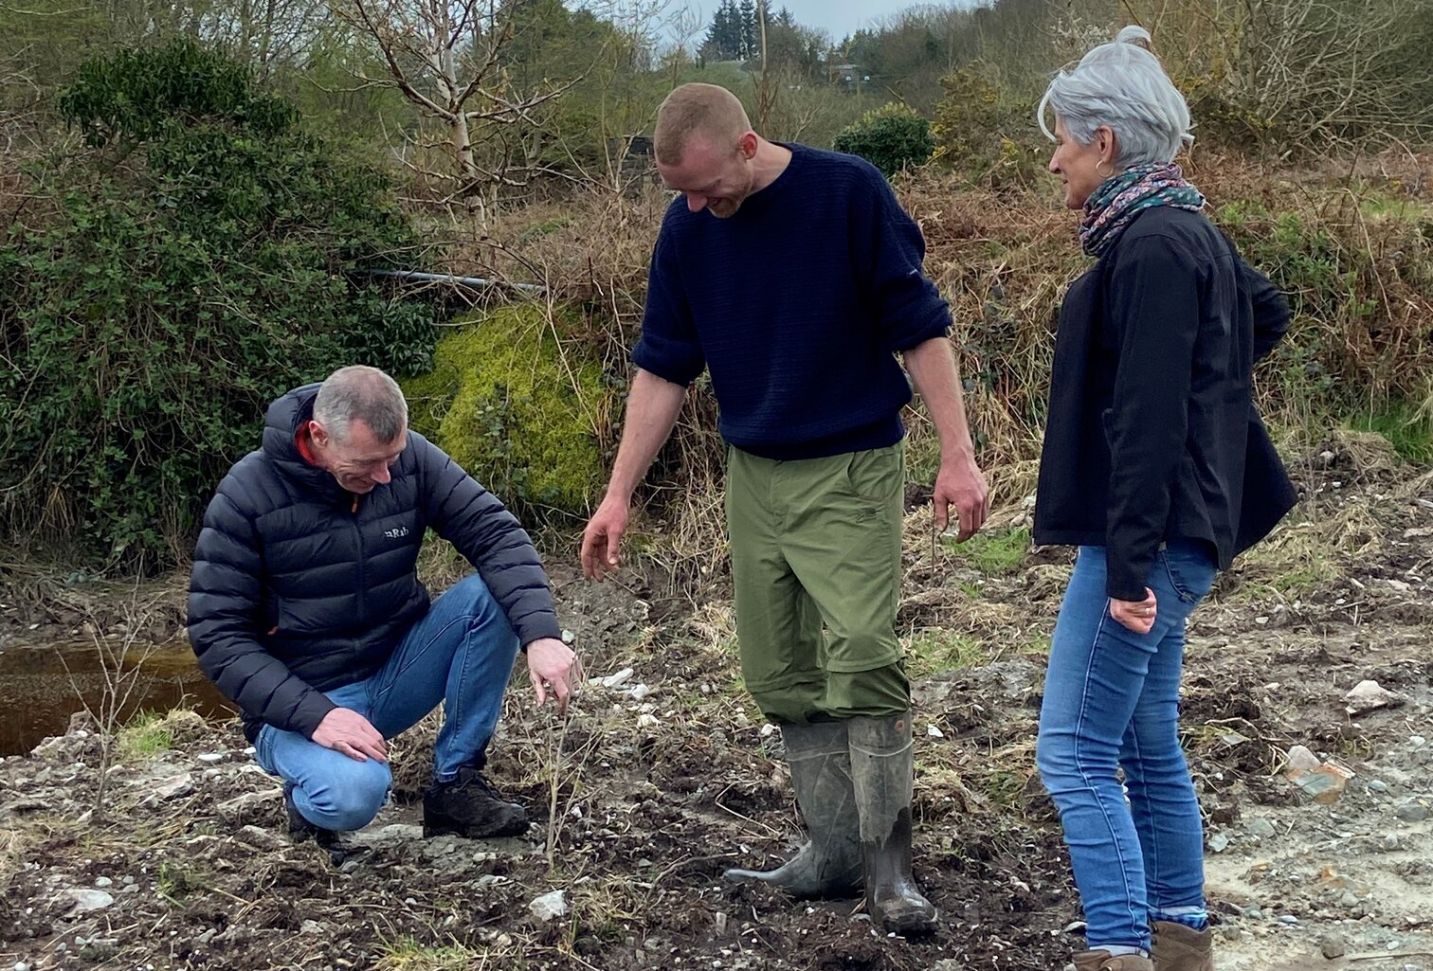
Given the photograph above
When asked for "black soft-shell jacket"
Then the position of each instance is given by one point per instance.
(299, 586)
(1153, 434)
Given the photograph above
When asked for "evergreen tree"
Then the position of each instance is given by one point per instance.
(750, 30)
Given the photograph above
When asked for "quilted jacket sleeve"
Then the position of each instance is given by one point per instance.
(224, 616)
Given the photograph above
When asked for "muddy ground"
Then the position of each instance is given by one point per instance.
(664, 777)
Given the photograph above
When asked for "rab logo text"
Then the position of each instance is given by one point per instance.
(398, 533)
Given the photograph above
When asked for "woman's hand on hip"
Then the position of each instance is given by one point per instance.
(1136, 615)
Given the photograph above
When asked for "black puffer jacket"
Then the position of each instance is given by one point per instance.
(299, 586)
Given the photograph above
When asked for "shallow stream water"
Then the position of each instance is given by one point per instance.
(41, 686)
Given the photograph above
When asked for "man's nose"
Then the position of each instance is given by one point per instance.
(383, 476)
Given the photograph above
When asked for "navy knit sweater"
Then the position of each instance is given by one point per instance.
(797, 304)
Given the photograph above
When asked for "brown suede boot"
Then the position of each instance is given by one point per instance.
(1101, 961)
(1181, 948)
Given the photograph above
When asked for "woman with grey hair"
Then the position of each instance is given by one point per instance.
(1157, 467)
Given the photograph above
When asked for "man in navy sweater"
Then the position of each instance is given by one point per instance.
(795, 278)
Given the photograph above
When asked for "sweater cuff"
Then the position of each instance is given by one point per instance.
(1123, 583)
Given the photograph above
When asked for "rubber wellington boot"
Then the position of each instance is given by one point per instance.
(882, 770)
(829, 864)
(1181, 948)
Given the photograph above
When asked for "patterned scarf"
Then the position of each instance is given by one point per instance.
(1113, 206)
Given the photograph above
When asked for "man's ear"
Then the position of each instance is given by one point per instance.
(747, 145)
(318, 433)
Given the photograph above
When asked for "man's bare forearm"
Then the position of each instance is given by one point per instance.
(652, 408)
(932, 367)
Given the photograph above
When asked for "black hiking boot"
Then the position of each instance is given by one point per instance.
(300, 829)
(469, 806)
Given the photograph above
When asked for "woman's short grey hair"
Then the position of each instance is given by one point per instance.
(364, 394)
(1122, 86)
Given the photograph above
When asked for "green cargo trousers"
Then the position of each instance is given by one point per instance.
(816, 559)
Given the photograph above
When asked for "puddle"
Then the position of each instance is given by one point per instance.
(38, 694)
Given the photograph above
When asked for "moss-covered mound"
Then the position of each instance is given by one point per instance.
(517, 409)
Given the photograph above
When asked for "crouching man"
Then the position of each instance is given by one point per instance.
(305, 609)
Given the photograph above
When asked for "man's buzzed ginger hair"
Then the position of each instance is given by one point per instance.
(697, 108)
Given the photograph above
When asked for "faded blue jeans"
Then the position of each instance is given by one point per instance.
(461, 653)
(1112, 702)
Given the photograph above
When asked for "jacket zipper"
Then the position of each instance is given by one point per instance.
(358, 528)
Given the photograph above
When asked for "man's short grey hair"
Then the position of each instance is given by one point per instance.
(1122, 86)
(363, 394)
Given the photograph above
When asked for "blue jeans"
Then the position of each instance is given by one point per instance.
(1112, 702)
(461, 653)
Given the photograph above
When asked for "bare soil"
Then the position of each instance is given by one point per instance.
(642, 797)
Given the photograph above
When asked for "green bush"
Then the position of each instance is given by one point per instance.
(191, 265)
(986, 134)
(517, 411)
(892, 137)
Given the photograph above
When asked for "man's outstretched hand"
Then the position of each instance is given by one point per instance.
(553, 667)
(345, 730)
(602, 540)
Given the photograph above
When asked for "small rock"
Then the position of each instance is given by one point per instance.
(568, 637)
(1301, 758)
(1289, 919)
(171, 788)
(1323, 785)
(1218, 842)
(1377, 785)
(211, 757)
(934, 731)
(1391, 841)
(1417, 741)
(1411, 811)
(310, 927)
(1262, 828)
(647, 721)
(639, 692)
(767, 730)
(1369, 696)
(387, 837)
(21, 966)
(244, 806)
(1332, 947)
(720, 921)
(103, 882)
(260, 838)
(550, 906)
(613, 680)
(87, 900)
